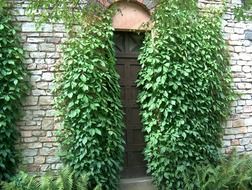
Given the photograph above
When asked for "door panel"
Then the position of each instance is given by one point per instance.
(127, 47)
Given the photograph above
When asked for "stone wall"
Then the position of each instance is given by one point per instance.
(38, 142)
(238, 130)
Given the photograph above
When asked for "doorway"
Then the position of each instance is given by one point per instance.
(127, 46)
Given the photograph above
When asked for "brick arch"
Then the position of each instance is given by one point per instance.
(131, 14)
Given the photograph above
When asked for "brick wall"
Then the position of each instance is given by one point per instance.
(38, 143)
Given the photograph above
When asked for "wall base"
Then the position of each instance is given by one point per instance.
(137, 184)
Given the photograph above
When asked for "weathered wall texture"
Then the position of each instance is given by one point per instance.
(38, 142)
(238, 130)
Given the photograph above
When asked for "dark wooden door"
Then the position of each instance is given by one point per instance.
(127, 50)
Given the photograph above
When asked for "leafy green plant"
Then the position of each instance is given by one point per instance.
(65, 179)
(88, 101)
(185, 92)
(233, 172)
(13, 86)
(243, 12)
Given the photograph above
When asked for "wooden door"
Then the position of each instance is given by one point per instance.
(127, 50)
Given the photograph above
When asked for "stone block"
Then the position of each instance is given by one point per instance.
(26, 133)
(42, 85)
(236, 68)
(47, 139)
(238, 130)
(33, 145)
(27, 160)
(248, 147)
(226, 143)
(248, 35)
(249, 49)
(35, 40)
(47, 151)
(235, 37)
(47, 124)
(30, 139)
(30, 47)
(38, 92)
(246, 69)
(30, 152)
(28, 27)
(47, 76)
(46, 47)
(238, 123)
(54, 40)
(38, 133)
(38, 113)
(50, 61)
(250, 131)
(246, 97)
(29, 123)
(246, 43)
(247, 109)
(55, 55)
(241, 102)
(39, 61)
(50, 113)
(245, 56)
(59, 28)
(229, 137)
(235, 142)
(52, 159)
(39, 55)
(240, 148)
(46, 27)
(30, 101)
(239, 49)
(45, 100)
(39, 160)
(35, 78)
(248, 121)
(245, 141)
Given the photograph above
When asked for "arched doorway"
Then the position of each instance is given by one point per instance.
(127, 49)
(130, 23)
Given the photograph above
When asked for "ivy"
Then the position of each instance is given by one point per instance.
(243, 11)
(88, 102)
(185, 92)
(13, 86)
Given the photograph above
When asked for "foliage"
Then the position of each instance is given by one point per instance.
(234, 172)
(73, 12)
(13, 86)
(64, 180)
(88, 101)
(243, 12)
(70, 12)
(185, 92)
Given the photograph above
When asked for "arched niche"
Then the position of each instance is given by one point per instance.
(131, 15)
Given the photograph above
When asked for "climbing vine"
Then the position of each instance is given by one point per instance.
(13, 86)
(88, 101)
(185, 91)
(243, 11)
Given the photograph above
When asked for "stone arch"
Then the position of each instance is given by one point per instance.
(131, 14)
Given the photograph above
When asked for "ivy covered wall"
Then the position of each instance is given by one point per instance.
(38, 142)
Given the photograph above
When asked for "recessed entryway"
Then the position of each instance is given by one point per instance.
(127, 50)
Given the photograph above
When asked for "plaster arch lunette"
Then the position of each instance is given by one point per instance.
(131, 15)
